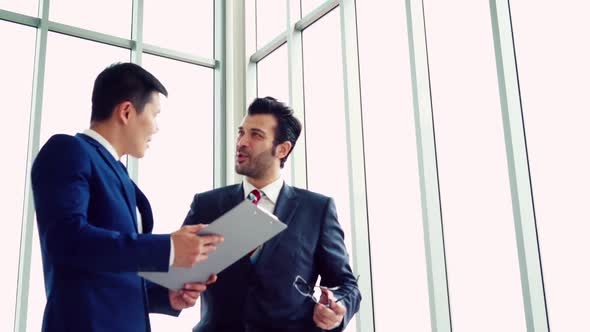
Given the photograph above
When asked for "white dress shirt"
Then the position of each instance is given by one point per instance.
(109, 147)
(270, 192)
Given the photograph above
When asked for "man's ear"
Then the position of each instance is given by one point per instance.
(123, 111)
(283, 149)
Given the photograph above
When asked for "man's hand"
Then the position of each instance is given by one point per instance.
(189, 294)
(190, 248)
(328, 314)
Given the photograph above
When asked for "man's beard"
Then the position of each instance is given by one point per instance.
(256, 167)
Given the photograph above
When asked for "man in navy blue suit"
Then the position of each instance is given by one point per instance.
(95, 224)
(257, 292)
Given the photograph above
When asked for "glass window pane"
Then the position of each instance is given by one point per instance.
(112, 17)
(553, 76)
(250, 26)
(307, 6)
(273, 75)
(273, 81)
(71, 67)
(393, 189)
(180, 25)
(327, 170)
(482, 261)
(186, 125)
(271, 20)
(28, 7)
(15, 83)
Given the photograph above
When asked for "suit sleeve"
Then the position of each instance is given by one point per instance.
(60, 181)
(192, 215)
(333, 263)
(159, 300)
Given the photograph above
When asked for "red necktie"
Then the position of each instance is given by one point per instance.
(254, 196)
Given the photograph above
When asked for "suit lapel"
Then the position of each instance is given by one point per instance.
(125, 181)
(285, 209)
(145, 209)
(286, 204)
(234, 197)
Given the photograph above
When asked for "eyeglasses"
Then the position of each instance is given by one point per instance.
(308, 290)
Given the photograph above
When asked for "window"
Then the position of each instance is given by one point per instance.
(273, 81)
(480, 242)
(270, 20)
(327, 169)
(69, 81)
(29, 7)
(15, 83)
(553, 73)
(393, 188)
(327, 164)
(185, 26)
(115, 14)
(273, 78)
(307, 6)
(185, 123)
(327, 155)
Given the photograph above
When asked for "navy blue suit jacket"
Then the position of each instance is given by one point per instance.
(86, 217)
(261, 296)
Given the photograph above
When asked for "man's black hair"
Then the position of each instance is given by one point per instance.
(122, 82)
(288, 126)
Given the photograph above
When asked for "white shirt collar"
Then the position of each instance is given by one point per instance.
(271, 191)
(102, 141)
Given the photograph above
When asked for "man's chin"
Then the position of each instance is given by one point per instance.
(242, 170)
(138, 155)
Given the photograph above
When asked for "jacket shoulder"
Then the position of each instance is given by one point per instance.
(60, 150)
(310, 195)
(64, 143)
(218, 192)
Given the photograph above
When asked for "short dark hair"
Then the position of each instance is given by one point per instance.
(288, 126)
(122, 82)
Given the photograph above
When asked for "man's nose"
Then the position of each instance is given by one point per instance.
(242, 141)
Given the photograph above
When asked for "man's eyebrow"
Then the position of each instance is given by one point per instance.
(259, 131)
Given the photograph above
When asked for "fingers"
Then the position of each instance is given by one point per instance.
(324, 318)
(338, 308)
(330, 315)
(204, 244)
(212, 279)
(187, 296)
(210, 240)
(194, 287)
(194, 228)
(190, 248)
(189, 300)
(326, 295)
(204, 239)
(190, 296)
(180, 300)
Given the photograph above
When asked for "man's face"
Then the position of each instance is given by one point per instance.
(142, 126)
(255, 154)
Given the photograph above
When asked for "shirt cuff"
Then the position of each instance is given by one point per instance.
(171, 252)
